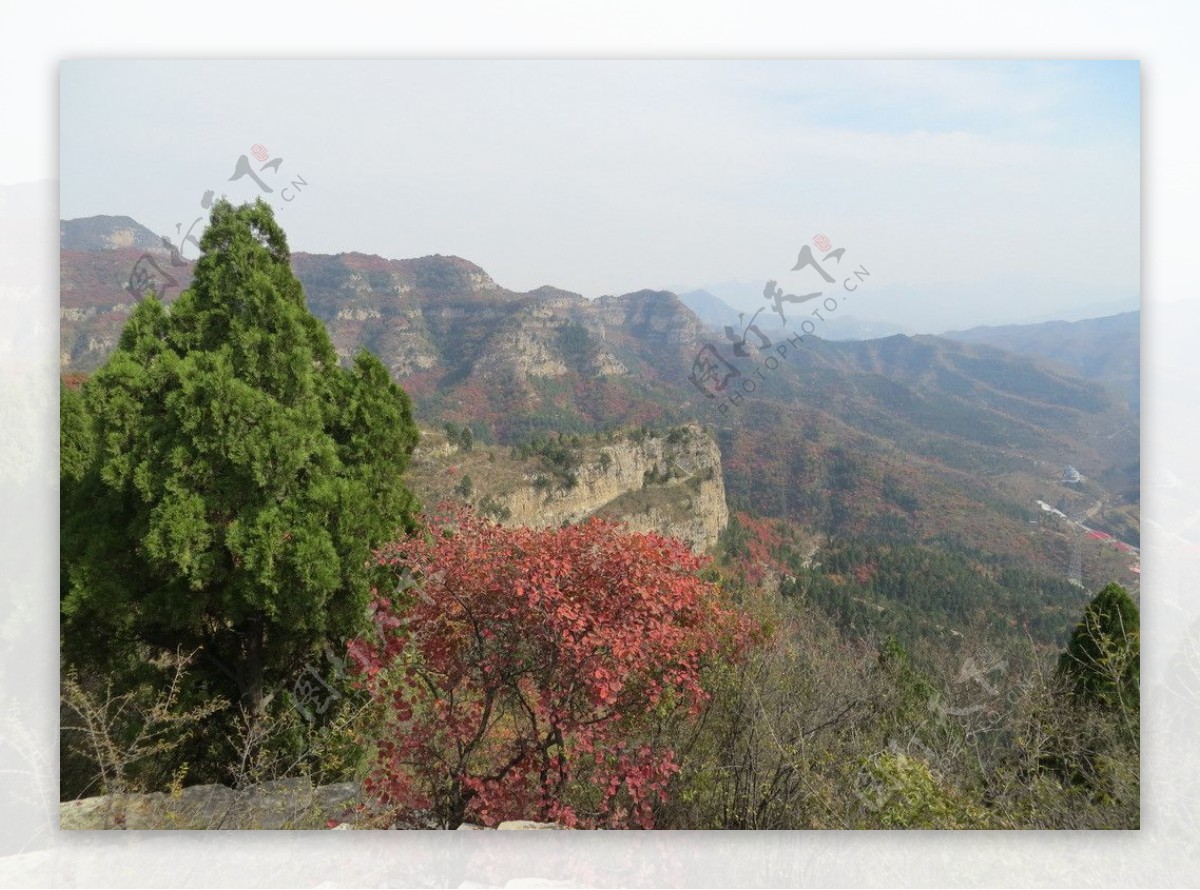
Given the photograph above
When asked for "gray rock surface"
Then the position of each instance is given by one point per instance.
(281, 804)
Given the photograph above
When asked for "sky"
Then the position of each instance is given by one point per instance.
(973, 192)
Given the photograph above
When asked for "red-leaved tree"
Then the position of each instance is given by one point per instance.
(528, 674)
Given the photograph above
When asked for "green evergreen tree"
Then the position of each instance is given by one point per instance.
(224, 481)
(76, 440)
(1102, 660)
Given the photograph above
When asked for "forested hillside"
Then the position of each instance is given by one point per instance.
(1106, 349)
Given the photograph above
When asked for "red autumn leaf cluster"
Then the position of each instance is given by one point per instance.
(524, 671)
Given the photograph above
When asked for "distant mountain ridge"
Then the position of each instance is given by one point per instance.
(850, 327)
(106, 233)
(715, 314)
(1105, 349)
(710, 309)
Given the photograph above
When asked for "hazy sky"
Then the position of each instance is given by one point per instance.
(974, 192)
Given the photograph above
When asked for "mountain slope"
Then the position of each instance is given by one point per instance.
(106, 233)
(712, 311)
(1102, 349)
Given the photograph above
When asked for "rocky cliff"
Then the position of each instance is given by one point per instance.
(466, 348)
(669, 482)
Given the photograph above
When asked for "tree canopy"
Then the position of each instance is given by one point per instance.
(529, 673)
(224, 480)
(1103, 658)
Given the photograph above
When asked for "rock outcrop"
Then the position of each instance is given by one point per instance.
(284, 803)
(517, 825)
(281, 804)
(670, 483)
(671, 487)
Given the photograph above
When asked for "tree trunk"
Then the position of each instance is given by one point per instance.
(252, 667)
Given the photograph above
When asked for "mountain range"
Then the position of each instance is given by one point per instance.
(1105, 349)
(920, 438)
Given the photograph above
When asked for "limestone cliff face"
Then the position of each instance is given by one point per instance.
(547, 336)
(670, 483)
(438, 318)
(657, 318)
(688, 504)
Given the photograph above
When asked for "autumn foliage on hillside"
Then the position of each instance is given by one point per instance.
(524, 672)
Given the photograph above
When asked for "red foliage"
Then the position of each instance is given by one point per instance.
(864, 573)
(525, 671)
(765, 544)
(421, 384)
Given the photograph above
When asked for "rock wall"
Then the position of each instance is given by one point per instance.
(671, 484)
